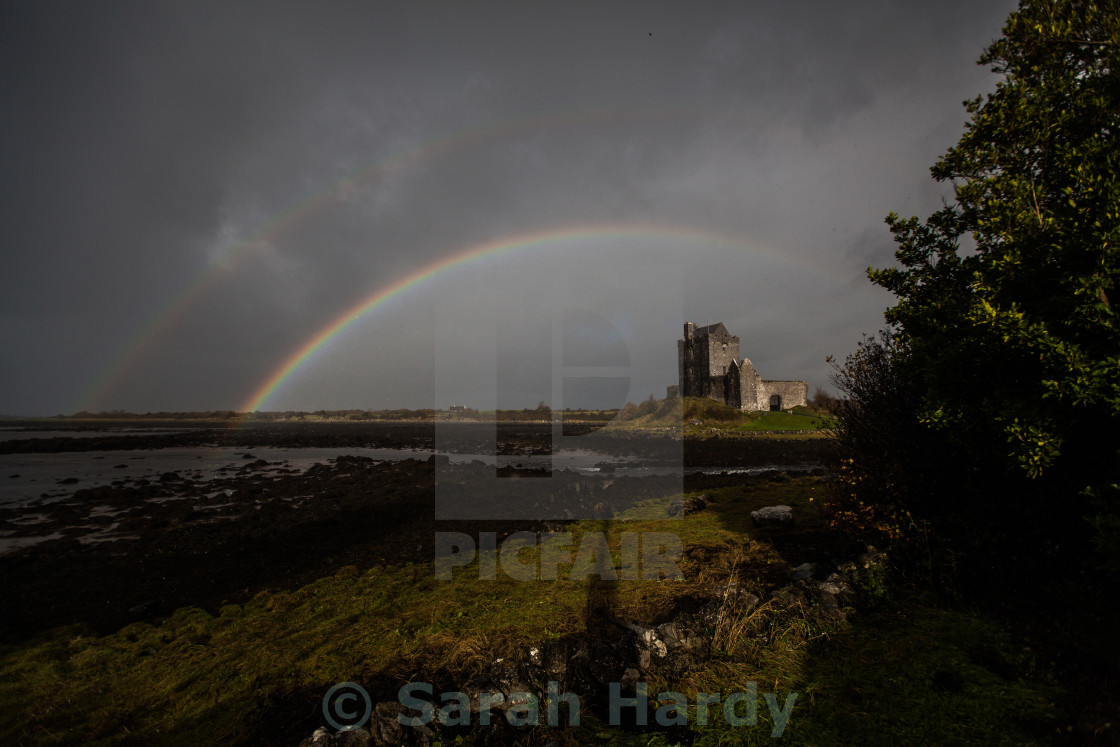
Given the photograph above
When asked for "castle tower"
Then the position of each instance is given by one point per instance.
(705, 357)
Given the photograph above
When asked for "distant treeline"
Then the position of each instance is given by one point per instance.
(541, 412)
(545, 413)
(401, 414)
(122, 415)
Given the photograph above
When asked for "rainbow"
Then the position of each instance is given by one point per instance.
(520, 242)
(156, 326)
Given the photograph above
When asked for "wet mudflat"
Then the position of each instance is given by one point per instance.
(511, 438)
(145, 545)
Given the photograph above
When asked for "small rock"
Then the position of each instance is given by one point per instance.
(319, 738)
(688, 505)
(832, 587)
(773, 515)
(733, 594)
(384, 725)
(671, 633)
(630, 679)
(828, 602)
(649, 644)
(656, 646)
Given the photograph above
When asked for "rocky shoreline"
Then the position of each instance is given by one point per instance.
(140, 548)
(612, 659)
(462, 437)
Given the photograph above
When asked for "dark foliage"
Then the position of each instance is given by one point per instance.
(988, 417)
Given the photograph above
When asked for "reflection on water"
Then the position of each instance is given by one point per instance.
(27, 479)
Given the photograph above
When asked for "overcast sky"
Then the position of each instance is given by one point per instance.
(192, 191)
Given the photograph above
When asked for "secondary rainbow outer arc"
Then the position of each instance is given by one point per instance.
(474, 252)
(153, 329)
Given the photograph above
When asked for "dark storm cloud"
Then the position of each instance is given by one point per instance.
(142, 143)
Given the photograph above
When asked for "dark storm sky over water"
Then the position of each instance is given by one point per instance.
(193, 191)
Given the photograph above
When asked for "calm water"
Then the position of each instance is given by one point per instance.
(35, 478)
(14, 434)
(28, 481)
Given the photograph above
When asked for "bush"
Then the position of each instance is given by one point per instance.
(990, 413)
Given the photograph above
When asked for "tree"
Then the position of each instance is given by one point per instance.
(647, 406)
(822, 401)
(1012, 348)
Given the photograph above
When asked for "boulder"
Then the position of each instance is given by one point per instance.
(688, 505)
(773, 516)
(828, 591)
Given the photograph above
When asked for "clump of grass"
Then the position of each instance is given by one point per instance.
(921, 675)
(710, 411)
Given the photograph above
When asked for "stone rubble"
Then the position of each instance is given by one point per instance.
(587, 666)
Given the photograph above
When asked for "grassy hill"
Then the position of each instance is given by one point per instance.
(716, 415)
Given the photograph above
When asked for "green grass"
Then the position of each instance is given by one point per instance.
(201, 677)
(919, 674)
(913, 674)
(783, 421)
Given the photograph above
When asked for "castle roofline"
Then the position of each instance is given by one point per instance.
(711, 329)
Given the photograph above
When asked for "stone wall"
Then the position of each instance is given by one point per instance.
(750, 383)
(792, 394)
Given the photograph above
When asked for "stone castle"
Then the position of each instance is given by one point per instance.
(709, 366)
